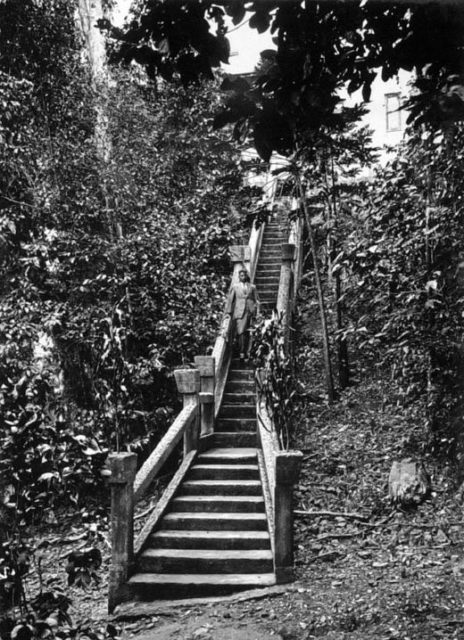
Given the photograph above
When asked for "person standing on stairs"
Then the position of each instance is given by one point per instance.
(243, 306)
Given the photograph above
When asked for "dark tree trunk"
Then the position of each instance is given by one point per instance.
(320, 297)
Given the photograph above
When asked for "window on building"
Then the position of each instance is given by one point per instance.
(392, 106)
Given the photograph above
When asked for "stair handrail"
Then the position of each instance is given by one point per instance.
(296, 238)
(282, 467)
(290, 275)
(128, 485)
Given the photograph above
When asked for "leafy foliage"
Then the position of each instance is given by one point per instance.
(110, 317)
(113, 274)
(83, 565)
(320, 46)
(275, 379)
(407, 293)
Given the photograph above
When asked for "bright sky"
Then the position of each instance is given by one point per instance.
(245, 43)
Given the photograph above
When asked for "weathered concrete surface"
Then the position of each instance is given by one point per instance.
(207, 628)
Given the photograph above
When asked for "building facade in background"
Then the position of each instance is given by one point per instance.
(386, 117)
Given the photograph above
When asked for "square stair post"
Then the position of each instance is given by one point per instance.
(206, 366)
(123, 468)
(287, 470)
(188, 384)
(240, 255)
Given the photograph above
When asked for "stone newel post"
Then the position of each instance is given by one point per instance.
(188, 384)
(206, 365)
(287, 470)
(240, 254)
(123, 468)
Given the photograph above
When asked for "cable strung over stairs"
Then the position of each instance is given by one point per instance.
(225, 520)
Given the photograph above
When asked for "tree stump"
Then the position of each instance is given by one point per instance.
(408, 483)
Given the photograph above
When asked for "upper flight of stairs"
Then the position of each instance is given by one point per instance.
(236, 423)
(214, 536)
(269, 263)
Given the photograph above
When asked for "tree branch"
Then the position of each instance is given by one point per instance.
(13, 201)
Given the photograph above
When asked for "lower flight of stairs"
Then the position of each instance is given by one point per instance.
(214, 539)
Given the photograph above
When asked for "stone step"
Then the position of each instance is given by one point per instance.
(237, 411)
(210, 540)
(273, 249)
(239, 365)
(224, 472)
(237, 455)
(235, 424)
(214, 521)
(244, 397)
(221, 504)
(268, 291)
(221, 487)
(271, 278)
(268, 272)
(155, 586)
(238, 386)
(265, 278)
(274, 252)
(269, 297)
(241, 375)
(235, 439)
(205, 561)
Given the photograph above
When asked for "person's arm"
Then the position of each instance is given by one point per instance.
(257, 300)
(230, 302)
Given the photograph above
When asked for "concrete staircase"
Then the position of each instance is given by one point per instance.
(214, 536)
